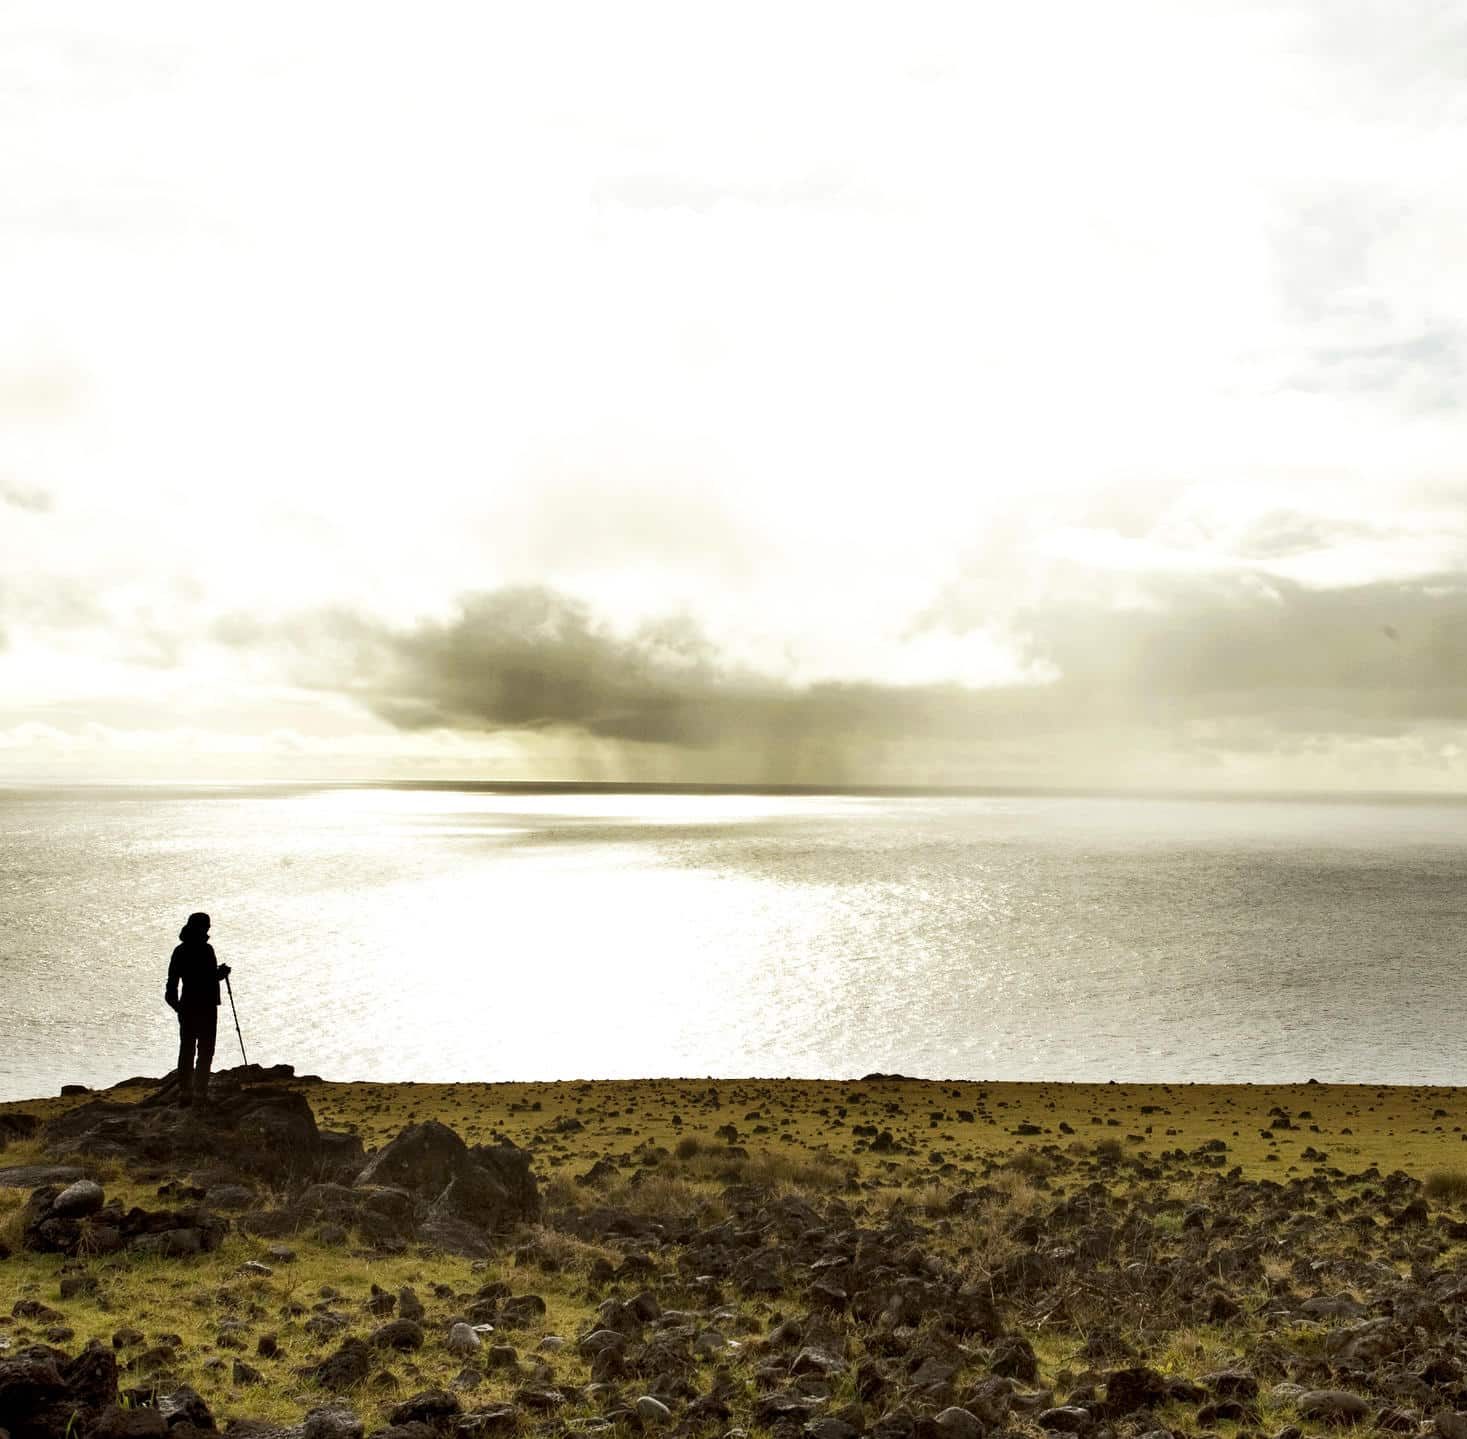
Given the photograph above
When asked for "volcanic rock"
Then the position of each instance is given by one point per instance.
(348, 1366)
(1334, 1406)
(78, 1200)
(432, 1406)
(258, 1128)
(333, 1421)
(400, 1334)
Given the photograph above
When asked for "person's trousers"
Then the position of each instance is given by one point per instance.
(196, 1031)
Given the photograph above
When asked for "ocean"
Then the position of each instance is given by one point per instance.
(464, 933)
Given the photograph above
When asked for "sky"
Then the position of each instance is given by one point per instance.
(1057, 394)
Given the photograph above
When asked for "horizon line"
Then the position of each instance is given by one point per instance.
(855, 791)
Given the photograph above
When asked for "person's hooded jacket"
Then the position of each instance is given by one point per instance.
(194, 968)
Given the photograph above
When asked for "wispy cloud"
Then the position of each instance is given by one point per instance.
(31, 498)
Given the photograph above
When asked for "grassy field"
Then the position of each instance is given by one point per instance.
(883, 1147)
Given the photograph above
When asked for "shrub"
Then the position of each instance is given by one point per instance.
(1448, 1185)
(1029, 1165)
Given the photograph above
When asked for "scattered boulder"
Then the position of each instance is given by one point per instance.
(346, 1368)
(1333, 1406)
(424, 1158)
(78, 1200)
(399, 1334)
(333, 1421)
(484, 1188)
(1066, 1419)
(432, 1406)
(462, 1340)
(653, 1413)
(958, 1423)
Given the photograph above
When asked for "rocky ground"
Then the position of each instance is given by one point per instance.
(886, 1257)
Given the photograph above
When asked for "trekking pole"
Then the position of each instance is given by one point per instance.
(230, 988)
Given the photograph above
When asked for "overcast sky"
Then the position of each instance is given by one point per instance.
(1048, 393)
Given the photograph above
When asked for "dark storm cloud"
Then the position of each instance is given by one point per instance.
(529, 658)
(1205, 663)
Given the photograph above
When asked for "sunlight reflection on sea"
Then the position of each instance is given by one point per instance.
(444, 934)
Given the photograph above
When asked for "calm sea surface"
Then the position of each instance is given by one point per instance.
(452, 934)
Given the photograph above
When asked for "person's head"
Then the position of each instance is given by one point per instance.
(197, 926)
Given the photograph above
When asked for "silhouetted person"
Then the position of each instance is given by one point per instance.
(194, 967)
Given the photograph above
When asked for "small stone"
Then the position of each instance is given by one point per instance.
(1014, 1358)
(73, 1285)
(958, 1423)
(432, 1406)
(543, 1400)
(1067, 1419)
(402, 1334)
(127, 1338)
(132, 1423)
(246, 1373)
(267, 1346)
(345, 1368)
(1231, 1384)
(331, 1421)
(816, 1359)
(254, 1269)
(493, 1419)
(653, 1411)
(281, 1253)
(462, 1340)
(34, 1309)
(229, 1196)
(1397, 1420)
(830, 1428)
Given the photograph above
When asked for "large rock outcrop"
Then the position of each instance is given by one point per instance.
(460, 1192)
(253, 1126)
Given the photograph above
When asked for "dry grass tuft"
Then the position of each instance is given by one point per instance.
(1447, 1186)
(12, 1206)
(665, 1196)
(983, 1234)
